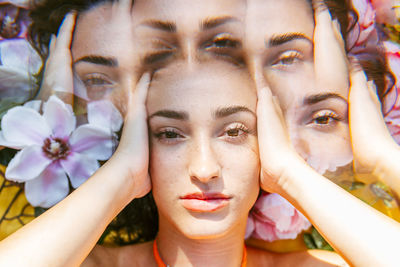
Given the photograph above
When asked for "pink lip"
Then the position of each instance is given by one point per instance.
(205, 202)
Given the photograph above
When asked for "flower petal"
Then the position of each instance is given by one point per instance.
(49, 188)
(61, 120)
(19, 54)
(79, 168)
(4, 142)
(264, 231)
(24, 126)
(97, 143)
(104, 114)
(249, 227)
(34, 104)
(27, 164)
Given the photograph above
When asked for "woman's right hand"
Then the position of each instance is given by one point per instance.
(132, 155)
(58, 77)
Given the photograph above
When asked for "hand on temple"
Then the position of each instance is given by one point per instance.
(58, 77)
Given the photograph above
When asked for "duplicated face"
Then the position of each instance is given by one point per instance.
(104, 53)
(279, 51)
(191, 31)
(204, 154)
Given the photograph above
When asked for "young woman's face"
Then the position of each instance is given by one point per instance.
(279, 51)
(104, 53)
(192, 31)
(204, 161)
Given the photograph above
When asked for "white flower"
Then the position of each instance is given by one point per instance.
(53, 149)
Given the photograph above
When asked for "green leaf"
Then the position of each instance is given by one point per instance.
(308, 240)
(315, 241)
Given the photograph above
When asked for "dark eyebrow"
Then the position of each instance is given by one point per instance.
(224, 112)
(167, 26)
(99, 60)
(210, 23)
(314, 99)
(171, 114)
(287, 37)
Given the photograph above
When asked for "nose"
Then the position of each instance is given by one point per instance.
(203, 162)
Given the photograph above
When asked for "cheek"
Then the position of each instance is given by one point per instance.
(241, 170)
(167, 170)
(324, 151)
(291, 84)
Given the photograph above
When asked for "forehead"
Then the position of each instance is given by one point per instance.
(188, 13)
(212, 84)
(265, 18)
(100, 31)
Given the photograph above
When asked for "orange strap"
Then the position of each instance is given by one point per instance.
(160, 262)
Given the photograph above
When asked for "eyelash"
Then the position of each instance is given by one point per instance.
(291, 56)
(233, 133)
(96, 80)
(239, 129)
(325, 118)
(223, 41)
(164, 135)
(162, 51)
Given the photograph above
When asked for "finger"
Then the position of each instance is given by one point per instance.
(65, 32)
(134, 135)
(140, 93)
(329, 55)
(366, 119)
(124, 6)
(271, 127)
(52, 44)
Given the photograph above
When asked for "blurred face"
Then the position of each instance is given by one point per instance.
(279, 50)
(204, 154)
(104, 57)
(194, 31)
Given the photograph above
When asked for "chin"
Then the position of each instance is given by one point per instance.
(204, 226)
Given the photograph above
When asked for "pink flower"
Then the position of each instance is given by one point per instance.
(53, 149)
(392, 101)
(364, 33)
(274, 218)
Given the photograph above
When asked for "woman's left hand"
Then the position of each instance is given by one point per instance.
(374, 150)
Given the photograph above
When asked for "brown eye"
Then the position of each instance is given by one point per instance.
(170, 135)
(288, 58)
(233, 132)
(223, 40)
(323, 120)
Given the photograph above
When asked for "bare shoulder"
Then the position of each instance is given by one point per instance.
(309, 258)
(132, 255)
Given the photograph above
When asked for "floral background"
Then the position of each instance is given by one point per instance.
(29, 186)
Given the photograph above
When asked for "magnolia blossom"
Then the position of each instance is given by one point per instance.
(18, 62)
(274, 218)
(53, 149)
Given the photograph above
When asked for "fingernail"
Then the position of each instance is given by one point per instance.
(372, 86)
(336, 24)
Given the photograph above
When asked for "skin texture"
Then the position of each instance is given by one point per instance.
(171, 31)
(105, 59)
(124, 177)
(316, 116)
(205, 153)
